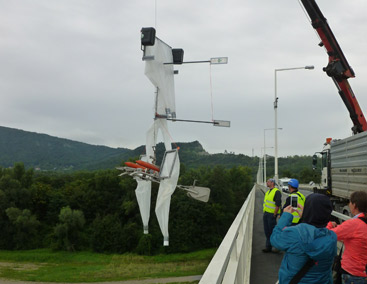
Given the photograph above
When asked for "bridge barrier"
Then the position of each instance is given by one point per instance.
(232, 261)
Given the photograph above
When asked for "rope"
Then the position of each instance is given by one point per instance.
(211, 91)
(155, 14)
(308, 18)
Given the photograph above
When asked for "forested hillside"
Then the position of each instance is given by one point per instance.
(44, 152)
(65, 205)
(51, 153)
(98, 211)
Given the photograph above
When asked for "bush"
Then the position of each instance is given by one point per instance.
(145, 245)
(25, 228)
(106, 234)
(68, 232)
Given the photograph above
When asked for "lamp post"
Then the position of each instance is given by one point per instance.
(265, 151)
(276, 114)
(264, 163)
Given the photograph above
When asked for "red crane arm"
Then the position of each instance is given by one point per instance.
(338, 68)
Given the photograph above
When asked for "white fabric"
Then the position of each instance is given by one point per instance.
(143, 193)
(166, 189)
(152, 133)
(161, 75)
(167, 186)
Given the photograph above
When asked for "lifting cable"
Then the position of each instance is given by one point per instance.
(211, 91)
(308, 18)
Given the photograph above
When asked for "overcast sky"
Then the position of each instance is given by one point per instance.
(73, 69)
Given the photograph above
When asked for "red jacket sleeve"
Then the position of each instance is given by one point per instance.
(343, 231)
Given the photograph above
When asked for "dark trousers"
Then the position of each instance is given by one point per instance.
(269, 223)
(350, 279)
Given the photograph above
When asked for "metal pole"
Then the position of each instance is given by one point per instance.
(262, 164)
(309, 67)
(264, 159)
(276, 130)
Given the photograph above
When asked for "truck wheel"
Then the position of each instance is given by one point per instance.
(346, 211)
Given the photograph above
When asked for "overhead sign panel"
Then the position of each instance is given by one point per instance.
(219, 60)
(222, 123)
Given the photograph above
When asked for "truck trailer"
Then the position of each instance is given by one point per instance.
(343, 169)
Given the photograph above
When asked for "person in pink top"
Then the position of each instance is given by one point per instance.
(353, 233)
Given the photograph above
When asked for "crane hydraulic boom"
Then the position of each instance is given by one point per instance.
(338, 68)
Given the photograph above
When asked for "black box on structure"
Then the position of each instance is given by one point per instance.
(177, 54)
(147, 36)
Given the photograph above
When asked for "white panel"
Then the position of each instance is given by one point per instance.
(161, 75)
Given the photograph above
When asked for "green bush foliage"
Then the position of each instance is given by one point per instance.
(144, 246)
(98, 211)
(68, 231)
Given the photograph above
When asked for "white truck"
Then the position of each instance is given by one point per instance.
(283, 184)
(343, 169)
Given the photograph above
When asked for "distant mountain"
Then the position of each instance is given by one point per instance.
(51, 153)
(45, 152)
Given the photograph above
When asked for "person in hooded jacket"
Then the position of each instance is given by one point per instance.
(310, 239)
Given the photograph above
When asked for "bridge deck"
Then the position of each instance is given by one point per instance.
(264, 266)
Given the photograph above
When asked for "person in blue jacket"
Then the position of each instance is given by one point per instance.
(310, 239)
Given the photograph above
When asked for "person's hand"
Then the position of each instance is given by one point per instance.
(333, 224)
(288, 209)
(299, 209)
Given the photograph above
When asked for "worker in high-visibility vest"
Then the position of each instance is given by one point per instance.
(293, 185)
(271, 209)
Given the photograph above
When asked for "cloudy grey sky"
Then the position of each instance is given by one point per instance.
(73, 69)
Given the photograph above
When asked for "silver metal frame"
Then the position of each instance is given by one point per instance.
(164, 161)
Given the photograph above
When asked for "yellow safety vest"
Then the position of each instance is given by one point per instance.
(301, 200)
(269, 204)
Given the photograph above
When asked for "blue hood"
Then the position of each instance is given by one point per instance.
(300, 243)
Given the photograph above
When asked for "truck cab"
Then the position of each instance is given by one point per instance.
(325, 184)
(283, 184)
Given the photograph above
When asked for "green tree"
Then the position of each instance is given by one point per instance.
(144, 246)
(25, 228)
(240, 180)
(68, 232)
(286, 173)
(307, 175)
(107, 234)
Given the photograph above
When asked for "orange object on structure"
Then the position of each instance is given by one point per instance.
(328, 140)
(135, 166)
(148, 165)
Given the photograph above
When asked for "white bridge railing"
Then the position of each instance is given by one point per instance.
(232, 261)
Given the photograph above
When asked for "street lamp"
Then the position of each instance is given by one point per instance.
(265, 151)
(264, 162)
(276, 115)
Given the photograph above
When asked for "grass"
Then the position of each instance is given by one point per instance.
(44, 265)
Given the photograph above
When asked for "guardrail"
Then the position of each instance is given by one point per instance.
(306, 186)
(232, 261)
